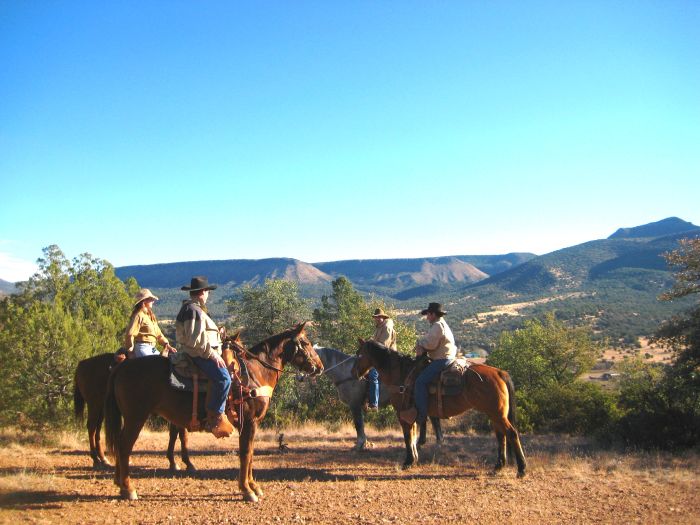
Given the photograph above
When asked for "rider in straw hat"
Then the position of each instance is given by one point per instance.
(143, 331)
(385, 334)
(198, 336)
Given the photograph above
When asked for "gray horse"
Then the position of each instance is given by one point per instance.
(338, 366)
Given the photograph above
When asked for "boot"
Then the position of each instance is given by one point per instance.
(218, 424)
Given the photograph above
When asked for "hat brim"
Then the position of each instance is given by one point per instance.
(188, 289)
(426, 311)
(383, 316)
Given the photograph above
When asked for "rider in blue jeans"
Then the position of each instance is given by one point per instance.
(199, 337)
(439, 344)
(385, 334)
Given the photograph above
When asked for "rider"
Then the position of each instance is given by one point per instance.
(385, 334)
(439, 343)
(143, 332)
(198, 336)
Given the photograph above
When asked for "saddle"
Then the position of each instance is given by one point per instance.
(450, 382)
(186, 376)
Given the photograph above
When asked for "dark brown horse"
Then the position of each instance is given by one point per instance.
(90, 387)
(140, 387)
(486, 389)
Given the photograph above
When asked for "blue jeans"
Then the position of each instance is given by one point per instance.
(220, 383)
(429, 373)
(373, 378)
(143, 350)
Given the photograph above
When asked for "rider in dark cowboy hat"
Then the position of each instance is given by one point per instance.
(439, 344)
(198, 336)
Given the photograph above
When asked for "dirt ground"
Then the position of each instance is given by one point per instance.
(320, 480)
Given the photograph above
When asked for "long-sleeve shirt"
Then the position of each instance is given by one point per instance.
(385, 334)
(143, 329)
(439, 341)
(195, 332)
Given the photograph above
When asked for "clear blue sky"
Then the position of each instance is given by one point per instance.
(147, 132)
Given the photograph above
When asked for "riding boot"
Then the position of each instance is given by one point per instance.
(218, 424)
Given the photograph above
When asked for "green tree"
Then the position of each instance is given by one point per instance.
(663, 408)
(62, 314)
(545, 358)
(345, 316)
(268, 309)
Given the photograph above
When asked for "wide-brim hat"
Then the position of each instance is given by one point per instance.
(435, 308)
(380, 313)
(199, 283)
(144, 293)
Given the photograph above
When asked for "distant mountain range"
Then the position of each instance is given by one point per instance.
(612, 284)
(6, 288)
(390, 275)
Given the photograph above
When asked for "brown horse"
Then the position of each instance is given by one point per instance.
(90, 387)
(485, 388)
(140, 387)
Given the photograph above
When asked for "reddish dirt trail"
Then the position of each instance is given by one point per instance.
(319, 480)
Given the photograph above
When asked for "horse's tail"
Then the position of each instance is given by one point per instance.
(78, 399)
(512, 416)
(113, 417)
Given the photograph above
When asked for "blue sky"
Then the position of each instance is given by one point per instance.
(149, 132)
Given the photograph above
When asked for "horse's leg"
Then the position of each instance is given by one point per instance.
(184, 450)
(422, 438)
(501, 444)
(98, 442)
(94, 424)
(245, 454)
(358, 420)
(170, 454)
(437, 428)
(127, 438)
(409, 437)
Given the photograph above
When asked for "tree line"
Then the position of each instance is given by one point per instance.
(71, 310)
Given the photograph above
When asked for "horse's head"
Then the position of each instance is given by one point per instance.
(363, 363)
(233, 343)
(299, 351)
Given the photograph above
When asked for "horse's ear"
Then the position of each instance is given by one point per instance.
(360, 341)
(300, 327)
(236, 336)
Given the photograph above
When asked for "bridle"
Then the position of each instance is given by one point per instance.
(299, 353)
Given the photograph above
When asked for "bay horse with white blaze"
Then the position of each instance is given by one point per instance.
(486, 389)
(140, 387)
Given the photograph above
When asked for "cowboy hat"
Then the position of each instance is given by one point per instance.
(380, 313)
(144, 293)
(435, 308)
(199, 283)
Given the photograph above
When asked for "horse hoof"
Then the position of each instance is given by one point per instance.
(174, 467)
(258, 492)
(191, 468)
(521, 473)
(250, 497)
(128, 494)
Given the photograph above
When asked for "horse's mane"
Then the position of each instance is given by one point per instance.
(384, 356)
(272, 342)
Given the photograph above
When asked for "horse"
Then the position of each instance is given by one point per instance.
(140, 387)
(338, 367)
(90, 387)
(484, 388)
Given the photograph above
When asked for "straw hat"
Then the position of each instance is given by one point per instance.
(144, 293)
(380, 313)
